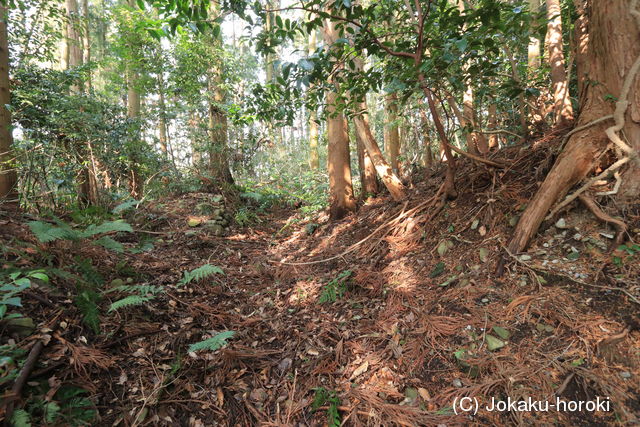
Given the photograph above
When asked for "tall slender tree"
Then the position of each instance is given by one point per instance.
(391, 134)
(341, 198)
(562, 108)
(8, 176)
(218, 126)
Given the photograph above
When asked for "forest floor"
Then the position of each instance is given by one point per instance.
(383, 318)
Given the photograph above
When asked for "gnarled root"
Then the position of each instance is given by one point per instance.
(604, 217)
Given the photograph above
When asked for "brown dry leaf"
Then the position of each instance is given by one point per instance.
(360, 370)
(220, 396)
(424, 394)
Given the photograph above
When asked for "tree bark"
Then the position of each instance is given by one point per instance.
(492, 124)
(383, 169)
(427, 154)
(72, 56)
(218, 127)
(533, 55)
(449, 190)
(391, 135)
(162, 116)
(341, 199)
(368, 179)
(86, 41)
(8, 175)
(608, 45)
(562, 108)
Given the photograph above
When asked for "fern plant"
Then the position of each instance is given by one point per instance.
(129, 301)
(199, 274)
(322, 397)
(335, 288)
(46, 232)
(213, 343)
(88, 295)
(141, 295)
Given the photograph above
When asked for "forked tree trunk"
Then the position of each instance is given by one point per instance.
(449, 190)
(361, 122)
(384, 170)
(608, 45)
(367, 170)
(8, 176)
(562, 108)
(391, 134)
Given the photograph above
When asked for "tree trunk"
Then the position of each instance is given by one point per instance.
(384, 170)
(218, 150)
(341, 199)
(427, 154)
(492, 124)
(133, 112)
(368, 179)
(533, 55)
(391, 135)
(72, 52)
(72, 56)
(608, 45)
(449, 190)
(86, 41)
(8, 175)
(162, 116)
(194, 124)
(361, 121)
(562, 108)
(314, 158)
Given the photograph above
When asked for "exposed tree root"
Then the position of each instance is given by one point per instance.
(603, 216)
(617, 165)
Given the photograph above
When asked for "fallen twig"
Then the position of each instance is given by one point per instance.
(28, 366)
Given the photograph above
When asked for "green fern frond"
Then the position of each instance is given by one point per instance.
(212, 343)
(87, 303)
(200, 273)
(129, 301)
(89, 273)
(21, 418)
(46, 232)
(139, 289)
(107, 227)
(110, 244)
(125, 206)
